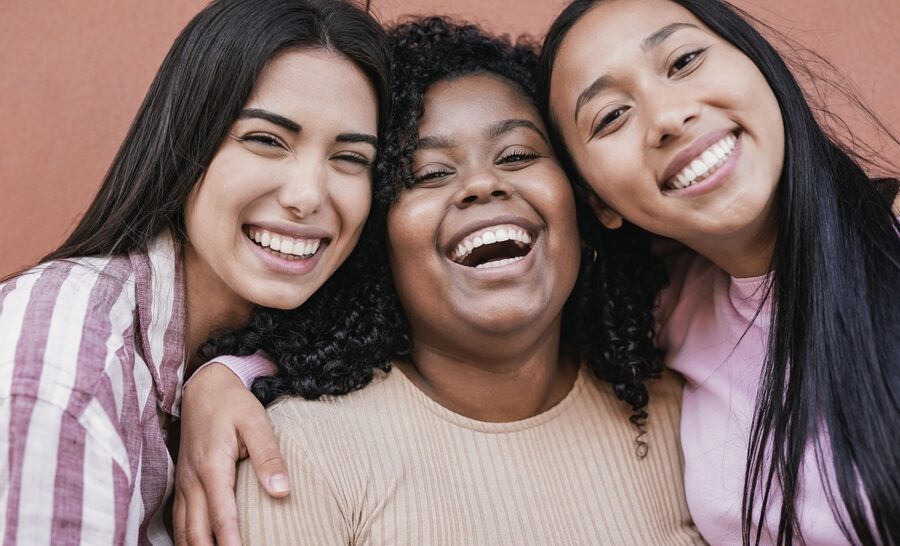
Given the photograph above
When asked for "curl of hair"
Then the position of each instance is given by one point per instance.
(609, 317)
(332, 344)
(833, 357)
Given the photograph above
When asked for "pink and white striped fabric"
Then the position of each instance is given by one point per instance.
(91, 369)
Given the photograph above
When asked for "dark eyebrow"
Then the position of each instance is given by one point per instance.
(592, 91)
(437, 141)
(357, 137)
(660, 35)
(507, 125)
(271, 117)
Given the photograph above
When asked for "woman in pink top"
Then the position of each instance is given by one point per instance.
(678, 117)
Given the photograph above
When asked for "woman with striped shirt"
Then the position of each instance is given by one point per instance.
(245, 180)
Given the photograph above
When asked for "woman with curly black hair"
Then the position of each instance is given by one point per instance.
(495, 425)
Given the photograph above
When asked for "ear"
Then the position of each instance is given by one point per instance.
(607, 216)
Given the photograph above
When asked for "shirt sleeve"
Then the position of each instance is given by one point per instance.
(65, 485)
(247, 368)
(66, 470)
(311, 514)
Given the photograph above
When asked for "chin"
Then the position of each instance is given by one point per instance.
(506, 321)
(284, 300)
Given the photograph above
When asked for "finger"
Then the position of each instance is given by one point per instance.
(178, 520)
(197, 529)
(265, 457)
(219, 486)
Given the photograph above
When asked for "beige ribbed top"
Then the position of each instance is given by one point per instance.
(387, 465)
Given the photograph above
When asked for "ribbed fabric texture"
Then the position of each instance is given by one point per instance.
(389, 466)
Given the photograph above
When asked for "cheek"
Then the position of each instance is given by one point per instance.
(353, 206)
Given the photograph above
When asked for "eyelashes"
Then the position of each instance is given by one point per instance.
(263, 139)
(685, 61)
(270, 144)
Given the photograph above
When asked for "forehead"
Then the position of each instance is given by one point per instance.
(608, 35)
(308, 80)
(469, 103)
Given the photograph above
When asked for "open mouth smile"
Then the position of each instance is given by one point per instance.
(282, 246)
(492, 247)
(703, 163)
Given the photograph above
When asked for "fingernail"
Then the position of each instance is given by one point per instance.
(278, 483)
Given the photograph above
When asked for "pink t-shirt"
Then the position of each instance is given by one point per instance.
(703, 315)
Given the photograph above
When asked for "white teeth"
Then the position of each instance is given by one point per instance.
(689, 175)
(488, 237)
(705, 164)
(498, 263)
(709, 158)
(699, 167)
(284, 245)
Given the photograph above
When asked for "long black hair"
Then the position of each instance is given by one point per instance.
(608, 318)
(197, 94)
(834, 347)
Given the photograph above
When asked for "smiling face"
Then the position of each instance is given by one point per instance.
(672, 126)
(485, 243)
(284, 200)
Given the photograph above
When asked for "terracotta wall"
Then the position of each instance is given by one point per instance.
(72, 75)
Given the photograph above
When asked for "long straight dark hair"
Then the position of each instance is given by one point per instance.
(834, 348)
(197, 94)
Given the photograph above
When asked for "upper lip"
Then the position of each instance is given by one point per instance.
(477, 225)
(684, 158)
(292, 230)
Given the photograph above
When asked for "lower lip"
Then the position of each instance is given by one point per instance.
(717, 179)
(503, 273)
(300, 266)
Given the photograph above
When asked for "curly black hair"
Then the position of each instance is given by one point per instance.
(354, 324)
(608, 318)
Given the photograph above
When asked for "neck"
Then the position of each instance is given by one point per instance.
(496, 385)
(209, 305)
(747, 253)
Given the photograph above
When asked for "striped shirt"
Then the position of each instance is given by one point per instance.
(91, 367)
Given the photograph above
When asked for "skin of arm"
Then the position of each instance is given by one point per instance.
(222, 423)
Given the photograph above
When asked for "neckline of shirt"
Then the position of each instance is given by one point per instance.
(491, 427)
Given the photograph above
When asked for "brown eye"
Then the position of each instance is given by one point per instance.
(609, 119)
(516, 155)
(431, 175)
(684, 61)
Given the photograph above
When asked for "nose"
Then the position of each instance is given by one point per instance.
(482, 187)
(669, 117)
(304, 188)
